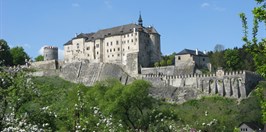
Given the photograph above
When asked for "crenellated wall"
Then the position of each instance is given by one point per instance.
(237, 84)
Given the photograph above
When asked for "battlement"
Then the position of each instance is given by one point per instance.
(236, 84)
(232, 73)
(50, 47)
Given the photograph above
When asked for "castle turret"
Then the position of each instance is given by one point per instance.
(50, 53)
(140, 20)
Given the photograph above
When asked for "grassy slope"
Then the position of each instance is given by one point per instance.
(227, 112)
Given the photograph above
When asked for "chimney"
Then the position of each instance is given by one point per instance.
(197, 52)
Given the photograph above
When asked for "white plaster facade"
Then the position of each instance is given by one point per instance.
(115, 45)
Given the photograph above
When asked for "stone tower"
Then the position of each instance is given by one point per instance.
(50, 53)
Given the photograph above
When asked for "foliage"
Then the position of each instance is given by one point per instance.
(216, 113)
(232, 59)
(216, 57)
(261, 93)
(39, 58)
(167, 60)
(19, 56)
(255, 47)
(5, 56)
(17, 90)
(52, 104)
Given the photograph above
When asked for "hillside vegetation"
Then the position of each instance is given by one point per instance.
(53, 104)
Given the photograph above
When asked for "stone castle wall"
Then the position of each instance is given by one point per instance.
(49, 64)
(177, 88)
(230, 84)
(169, 70)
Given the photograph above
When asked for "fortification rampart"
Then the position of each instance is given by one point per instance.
(49, 64)
(169, 70)
(236, 84)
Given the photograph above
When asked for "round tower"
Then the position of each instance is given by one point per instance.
(50, 53)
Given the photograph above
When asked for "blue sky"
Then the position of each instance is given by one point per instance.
(182, 23)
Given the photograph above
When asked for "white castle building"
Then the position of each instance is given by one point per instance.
(131, 45)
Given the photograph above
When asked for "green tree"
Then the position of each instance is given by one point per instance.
(157, 64)
(129, 103)
(247, 59)
(169, 62)
(255, 47)
(39, 58)
(19, 56)
(232, 59)
(5, 56)
(216, 57)
(163, 62)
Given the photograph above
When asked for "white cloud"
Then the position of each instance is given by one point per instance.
(203, 5)
(75, 5)
(60, 54)
(41, 50)
(219, 8)
(108, 4)
(212, 6)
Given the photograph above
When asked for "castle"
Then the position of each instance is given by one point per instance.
(132, 46)
(126, 53)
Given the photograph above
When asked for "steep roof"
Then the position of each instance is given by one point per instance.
(119, 30)
(86, 36)
(253, 125)
(191, 52)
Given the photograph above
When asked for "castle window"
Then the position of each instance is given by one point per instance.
(117, 43)
(107, 44)
(114, 49)
(97, 45)
(97, 52)
(108, 56)
(88, 48)
(203, 59)
(127, 41)
(131, 40)
(131, 34)
(118, 49)
(124, 36)
(123, 54)
(179, 58)
(107, 50)
(136, 34)
(128, 47)
(88, 54)
(77, 47)
(136, 39)
(110, 50)
(127, 35)
(111, 43)
(118, 54)
(112, 55)
(123, 49)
